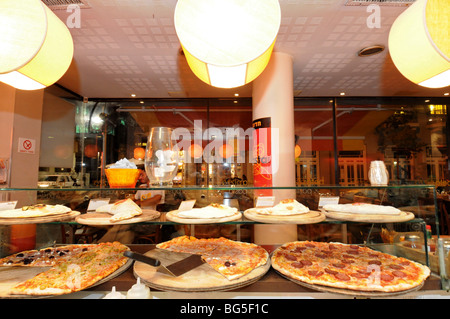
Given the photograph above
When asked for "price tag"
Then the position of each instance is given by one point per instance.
(8, 205)
(96, 203)
(328, 200)
(265, 201)
(186, 205)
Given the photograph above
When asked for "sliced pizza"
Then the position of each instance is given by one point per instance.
(232, 259)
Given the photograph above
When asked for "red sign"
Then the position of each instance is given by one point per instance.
(262, 152)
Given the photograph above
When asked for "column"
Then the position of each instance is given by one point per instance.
(273, 98)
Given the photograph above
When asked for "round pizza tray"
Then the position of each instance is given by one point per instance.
(173, 216)
(311, 217)
(103, 219)
(11, 276)
(369, 218)
(350, 292)
(201, 279)
(39, 220)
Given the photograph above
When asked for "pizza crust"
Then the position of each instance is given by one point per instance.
(210, 211)
(286, 207)
(363, 208)
(38, 210)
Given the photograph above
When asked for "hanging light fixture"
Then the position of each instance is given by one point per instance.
(419, 43)
(227, 43)
(36, 47)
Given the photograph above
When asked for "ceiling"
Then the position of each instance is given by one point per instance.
(125, 47)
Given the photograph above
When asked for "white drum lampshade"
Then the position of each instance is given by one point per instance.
(227, 43)
(419, 43)
(36, 47)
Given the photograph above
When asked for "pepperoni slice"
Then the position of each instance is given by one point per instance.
(290, 257)
(361, 275)
(347, 261)
(310, 245)
(386, 277)
(341, 266)
(330, 271)
(397, 267)
(306, 262)
(347, 256)
(342, 277)
(354, 247)
(353, 252)
(319, 255)
(374, 262)
(315, 273)
(399, 274)
(299, 249)
(297, 265)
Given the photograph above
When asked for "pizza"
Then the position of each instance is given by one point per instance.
(38, 210)
(75, 271)
(45, 256)
(232, 259)
(345, 266)
(285, 207)
(362, 208)
(211, 211)
(121, 210)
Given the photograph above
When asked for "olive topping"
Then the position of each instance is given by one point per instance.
(20, 255)
(228, 264)
(27, 261)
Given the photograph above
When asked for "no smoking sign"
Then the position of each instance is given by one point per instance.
(26, 145)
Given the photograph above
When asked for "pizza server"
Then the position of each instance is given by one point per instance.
(176, 269)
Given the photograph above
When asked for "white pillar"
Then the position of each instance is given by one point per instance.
(273, 97)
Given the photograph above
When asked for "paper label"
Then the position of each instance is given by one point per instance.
(8, 205)
(265, 201)
(328, 200)
(96, 203)
(186, 205)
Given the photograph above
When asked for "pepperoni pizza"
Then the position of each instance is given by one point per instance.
(347, 266)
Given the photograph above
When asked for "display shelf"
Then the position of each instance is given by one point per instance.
(419, 199)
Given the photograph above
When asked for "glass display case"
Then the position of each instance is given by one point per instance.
(415, 237)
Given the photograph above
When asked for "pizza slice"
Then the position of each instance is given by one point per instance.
(121, 210)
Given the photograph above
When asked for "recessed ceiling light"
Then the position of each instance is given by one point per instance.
(446, 94)
(426, 101)
(236, 94)
(133, 95)
(342, 93)
(374, 49)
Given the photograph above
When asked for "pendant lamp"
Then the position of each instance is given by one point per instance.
(36, 47)
(419, 43)
(227, 43)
